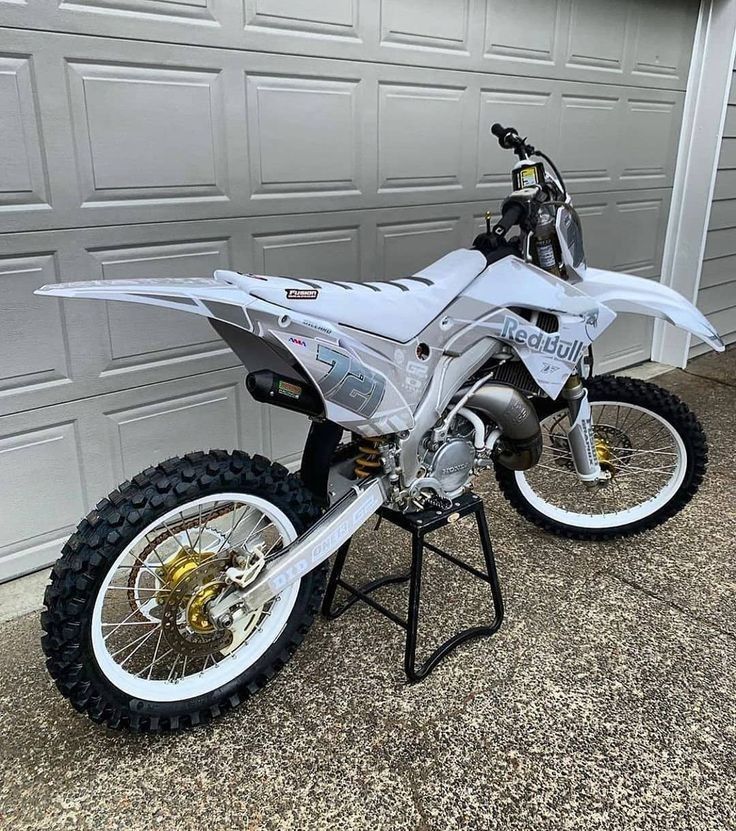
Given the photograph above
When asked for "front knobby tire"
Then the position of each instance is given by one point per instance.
(646, 397)
(89, 555)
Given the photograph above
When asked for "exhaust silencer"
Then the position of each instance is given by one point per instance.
(520, 444)
(271, 388)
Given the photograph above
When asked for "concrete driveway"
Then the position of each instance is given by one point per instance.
(608, 700)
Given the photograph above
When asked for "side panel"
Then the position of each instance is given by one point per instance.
(357, 394)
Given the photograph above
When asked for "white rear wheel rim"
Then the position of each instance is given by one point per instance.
(231, 665)
(552, 508)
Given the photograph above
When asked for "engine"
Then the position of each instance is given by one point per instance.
(451, 464)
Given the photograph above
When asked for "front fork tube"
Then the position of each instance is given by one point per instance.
(580, 435)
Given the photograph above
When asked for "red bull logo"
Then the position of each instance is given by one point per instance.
(542, 342)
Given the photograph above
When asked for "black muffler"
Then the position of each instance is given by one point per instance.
(271, 388)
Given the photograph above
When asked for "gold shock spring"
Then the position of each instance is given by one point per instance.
(368, 461)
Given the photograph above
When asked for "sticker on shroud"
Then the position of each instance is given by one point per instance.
(302, 294)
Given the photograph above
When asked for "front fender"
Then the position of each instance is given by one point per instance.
(626, 293)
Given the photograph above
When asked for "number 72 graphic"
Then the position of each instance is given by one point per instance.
(349, 383)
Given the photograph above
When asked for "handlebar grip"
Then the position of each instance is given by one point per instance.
(505, 135)
(512, 213)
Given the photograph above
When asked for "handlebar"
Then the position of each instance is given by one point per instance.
(509, 139)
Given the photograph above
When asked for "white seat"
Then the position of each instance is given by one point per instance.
(395, 309)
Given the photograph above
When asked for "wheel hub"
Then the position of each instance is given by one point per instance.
(176, 568)
(185, 624)
(611, 445)
(197, 617)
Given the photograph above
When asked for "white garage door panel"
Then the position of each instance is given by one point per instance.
(627, 42)
(623, 232)
(141, 335)
(58, 461)
(42, 465)
(61, 350)
(400, 246)
(154, 430)
(34, 348)
(241, 134)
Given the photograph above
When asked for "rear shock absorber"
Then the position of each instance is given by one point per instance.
(368, 461)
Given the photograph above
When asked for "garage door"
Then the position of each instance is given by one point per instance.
(332, 138)
(717, 293)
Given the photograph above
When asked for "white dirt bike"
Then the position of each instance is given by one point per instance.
(187, 588)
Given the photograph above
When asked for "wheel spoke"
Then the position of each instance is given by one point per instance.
(155, 653)
(155, 548)
(173, 667)
(144, 636)
(130, 623)
(134, 589)
(138, 648)
(199, 523)
(233, 528)
(119, 623)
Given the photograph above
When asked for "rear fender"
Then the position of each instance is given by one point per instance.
(626, 293)
(196, 295)
(225, 305)
(364, 400)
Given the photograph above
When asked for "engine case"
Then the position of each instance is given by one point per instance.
(452, 464)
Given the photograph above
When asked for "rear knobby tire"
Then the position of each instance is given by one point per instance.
(644, 395)
(90, 552)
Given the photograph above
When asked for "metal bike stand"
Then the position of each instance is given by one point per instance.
(420, 525)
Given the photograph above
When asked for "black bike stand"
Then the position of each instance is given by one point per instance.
(420, 525)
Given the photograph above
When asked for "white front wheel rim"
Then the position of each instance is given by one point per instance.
(221, 672)
(553, 501)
